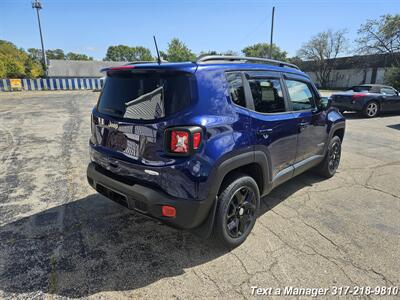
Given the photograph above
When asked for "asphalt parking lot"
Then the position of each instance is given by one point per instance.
(61, 239)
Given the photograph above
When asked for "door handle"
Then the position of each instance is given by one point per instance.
(264, 131)
(303, 124)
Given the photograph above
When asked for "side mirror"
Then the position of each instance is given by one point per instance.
(323, 103)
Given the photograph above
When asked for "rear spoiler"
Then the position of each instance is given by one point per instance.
(117, 68)
(128, 66)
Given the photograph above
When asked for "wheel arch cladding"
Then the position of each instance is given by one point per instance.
(340, 133)
(252, 163)
(253, 170)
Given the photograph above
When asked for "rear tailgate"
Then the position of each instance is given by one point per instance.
(134, 109)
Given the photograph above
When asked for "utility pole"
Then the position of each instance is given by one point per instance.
(272, 32)
(36, 4)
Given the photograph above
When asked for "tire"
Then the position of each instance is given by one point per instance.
(238, 204)
(327, 168)
(371, 109)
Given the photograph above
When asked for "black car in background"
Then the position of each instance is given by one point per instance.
(369, 99)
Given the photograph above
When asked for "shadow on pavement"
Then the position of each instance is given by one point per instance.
(394, 126)
(93, 245)
(282, 192)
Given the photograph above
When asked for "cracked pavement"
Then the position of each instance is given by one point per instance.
(59, 239)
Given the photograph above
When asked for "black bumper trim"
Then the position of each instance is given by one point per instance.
(189, 213)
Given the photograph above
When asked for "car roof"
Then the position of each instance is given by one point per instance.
(252, 67)
(375, 85)
(192, 67)
(183, 66)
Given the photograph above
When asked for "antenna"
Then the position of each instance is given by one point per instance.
(272, 32)
(158, 53)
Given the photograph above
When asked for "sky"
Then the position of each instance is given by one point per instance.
(90, 26)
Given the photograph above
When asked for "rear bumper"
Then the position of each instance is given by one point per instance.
(189, 213)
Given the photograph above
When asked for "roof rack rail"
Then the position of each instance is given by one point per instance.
(244, 59)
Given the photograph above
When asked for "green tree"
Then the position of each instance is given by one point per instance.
(392, 77)
(2, 68)
(55, 54)
(177, 51)
(322, 49)
(126, 53)
(16, 63)
(33, 69)
(13, 60)
(262, 50)
(77, 56)
(35, 54)
(380, 36)
(295, 60)
(213, 52)
(209, 52)
(230, 53)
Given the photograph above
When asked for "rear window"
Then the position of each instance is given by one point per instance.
(146, 95)
(361, 88)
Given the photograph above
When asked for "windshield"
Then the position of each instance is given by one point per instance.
(145, 95)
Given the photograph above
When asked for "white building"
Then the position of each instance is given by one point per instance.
(353, 70)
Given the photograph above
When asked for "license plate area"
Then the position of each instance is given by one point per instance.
(113, 195)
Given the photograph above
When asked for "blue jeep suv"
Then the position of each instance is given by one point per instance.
(197, 144)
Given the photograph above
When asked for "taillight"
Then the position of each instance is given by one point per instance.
(357, 96)
(179, 141)
(183, 140)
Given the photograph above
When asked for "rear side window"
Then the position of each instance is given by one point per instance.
(361, 88)
(236, 89)
(300, 95)
(387, 91)
(267, 95)
(146, 95)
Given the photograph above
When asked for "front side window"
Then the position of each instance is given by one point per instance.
(300, 95)
(267, 95)
(236, 89)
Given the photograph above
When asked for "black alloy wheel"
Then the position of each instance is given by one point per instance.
(329, 165)
(334, 156)
(241, 212)
(238, 203)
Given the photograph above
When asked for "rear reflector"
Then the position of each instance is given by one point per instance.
(168, 211)
(179, 141)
